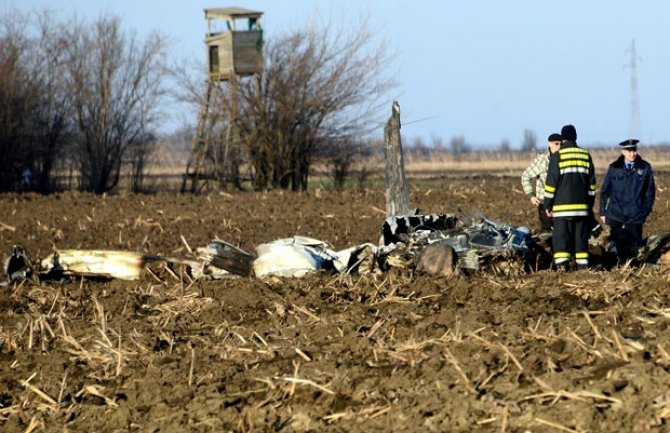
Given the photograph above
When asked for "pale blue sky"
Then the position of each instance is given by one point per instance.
(484, 70)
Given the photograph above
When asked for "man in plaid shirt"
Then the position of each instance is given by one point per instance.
(533, 178)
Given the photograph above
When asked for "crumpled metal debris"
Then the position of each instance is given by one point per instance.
(17, 266)
(477, 242)
(221, 259)
(293, 257)
(402, 241)
(300, 255)
(400, 228)
(480, 243)
(360, 259)
(124, 265)
(656, 250)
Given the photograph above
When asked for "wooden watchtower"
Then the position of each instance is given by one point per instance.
(234, 42)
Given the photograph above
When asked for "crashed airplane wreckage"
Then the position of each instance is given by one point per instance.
(402, 243)
(438, 244)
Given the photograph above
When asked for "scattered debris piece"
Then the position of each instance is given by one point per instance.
(360, 259)
(226, 259)
(123, 265)
(17, 266)
(400, 228)
(293, 257)
(478, 243)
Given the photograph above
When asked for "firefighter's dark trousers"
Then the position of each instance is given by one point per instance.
(571, 241)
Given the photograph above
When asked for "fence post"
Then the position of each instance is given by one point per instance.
(397, 192)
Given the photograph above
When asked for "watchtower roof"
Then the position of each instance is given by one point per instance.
(232, 13)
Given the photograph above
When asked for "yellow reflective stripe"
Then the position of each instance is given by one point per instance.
(581, 255)
(574, 163)
(573, 150)
(574, 156)
(562, 207)
(549, 188)
(593, 187)
(561, 255)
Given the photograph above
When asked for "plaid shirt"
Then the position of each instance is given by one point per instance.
(536, 173)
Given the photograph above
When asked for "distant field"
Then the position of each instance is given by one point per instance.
(167, 170)
(510, 163)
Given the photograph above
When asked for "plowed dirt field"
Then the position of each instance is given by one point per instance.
(400, 351)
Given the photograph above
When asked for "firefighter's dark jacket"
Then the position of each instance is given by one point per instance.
(628, 196)
(570, 189)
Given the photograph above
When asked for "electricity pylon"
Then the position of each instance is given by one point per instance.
(634, 125)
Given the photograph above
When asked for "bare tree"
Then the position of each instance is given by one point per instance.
(459, 146)
(83, 84)
(52, 123)
(17, 96)
(139, 155)
(340, 156)
(317, 84)
(505, 146)
(117, 84)
(438, 142)
(419, 147)
(529, 141)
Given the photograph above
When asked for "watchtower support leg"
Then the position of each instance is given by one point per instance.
(199, 145)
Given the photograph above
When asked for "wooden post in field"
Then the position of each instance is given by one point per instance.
(397, 192)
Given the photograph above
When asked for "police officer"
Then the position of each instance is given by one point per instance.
(569, 194)
(627, 198)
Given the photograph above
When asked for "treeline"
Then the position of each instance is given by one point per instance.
(458, 145)
(81, 103)
(76, 98)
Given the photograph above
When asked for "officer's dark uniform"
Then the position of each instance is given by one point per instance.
(570, 192)
(626, 200)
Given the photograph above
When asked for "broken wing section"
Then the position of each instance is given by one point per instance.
(124, 265)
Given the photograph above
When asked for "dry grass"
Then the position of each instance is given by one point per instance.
(511, 163)
(166, 171)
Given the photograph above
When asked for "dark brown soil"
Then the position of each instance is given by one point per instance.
(401, 351)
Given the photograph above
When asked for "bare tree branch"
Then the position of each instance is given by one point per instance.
(319, 88)
(118, 84)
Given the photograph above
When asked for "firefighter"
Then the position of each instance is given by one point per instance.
(569, 194)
